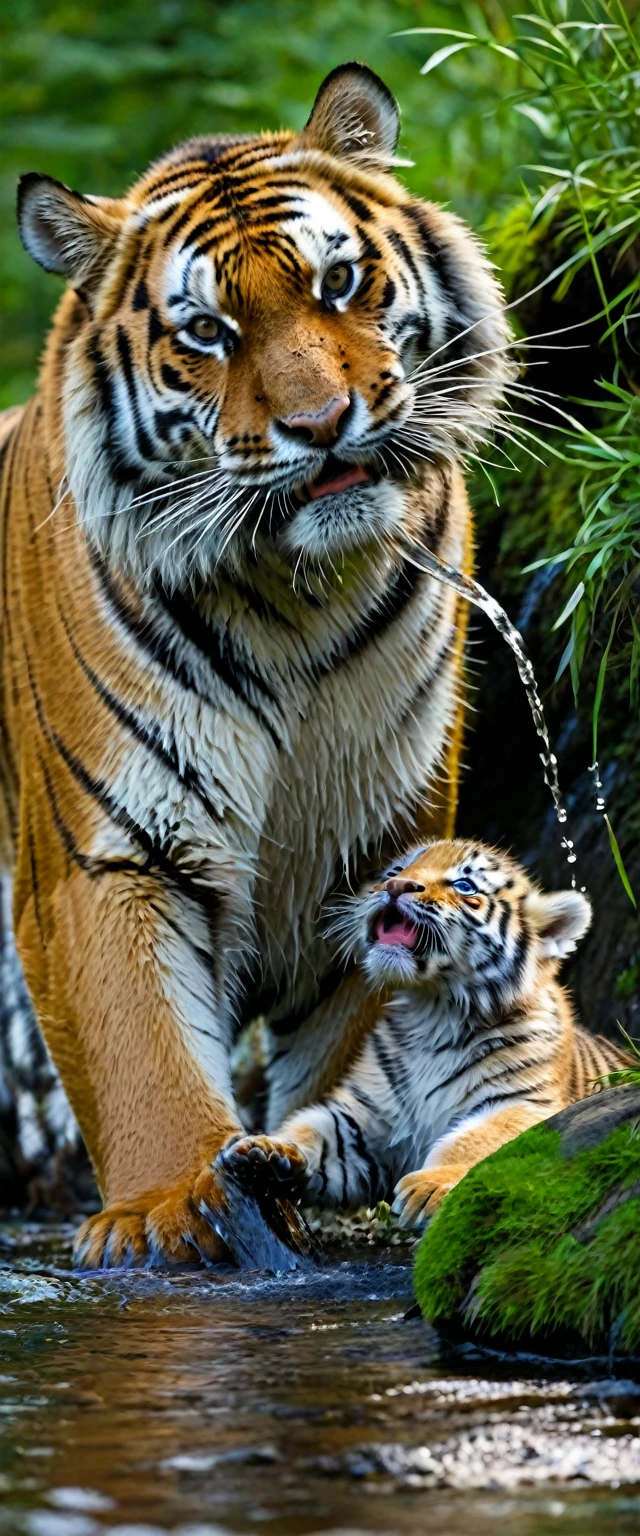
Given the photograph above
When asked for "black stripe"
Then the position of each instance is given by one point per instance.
(151, 739)
(404, 251)
(434, 254)
(160, 647)
(157, 857)
(66, 838)
(143, 441)
(364, 1154)
(493, 1101)
(395, 1078)
(432, 676)
(140, 298)
(241, 679)
(257, 225)
(123, 471)
(174, 380)
(361, 210)
(35, 884)
(322, 1168)
(340, 1146)
(388, 607)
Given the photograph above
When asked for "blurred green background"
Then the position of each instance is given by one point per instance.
(91, 94)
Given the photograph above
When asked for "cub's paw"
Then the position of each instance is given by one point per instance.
(264, 1166)
(419, 1194)
(172, 1225)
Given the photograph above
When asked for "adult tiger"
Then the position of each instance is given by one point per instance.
(225, 685)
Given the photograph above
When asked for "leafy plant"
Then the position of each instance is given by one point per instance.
(573, 235)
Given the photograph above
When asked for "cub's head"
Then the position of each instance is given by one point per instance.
(256, 338)
(466, 914)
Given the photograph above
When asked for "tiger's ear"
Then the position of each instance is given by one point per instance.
(64, 231)
(560, 920)
(354, 117)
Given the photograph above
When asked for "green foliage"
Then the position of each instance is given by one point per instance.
(502, 1251)
(630, 1074)
(572, 240)
(92, 94)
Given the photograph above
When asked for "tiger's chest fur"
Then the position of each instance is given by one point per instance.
(317, 722)
(260, 739)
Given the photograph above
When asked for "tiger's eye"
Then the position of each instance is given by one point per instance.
(337, 281)
(205, 328)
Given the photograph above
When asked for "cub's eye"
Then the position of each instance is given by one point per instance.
(465, 887)
(338, 281)
(205, 328)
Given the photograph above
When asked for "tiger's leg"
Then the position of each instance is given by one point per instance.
(341, 1152)
(419, 1194)
(117, 964)
(327, 1155)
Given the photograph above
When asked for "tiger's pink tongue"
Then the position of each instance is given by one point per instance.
(356, 476)
(402, 932)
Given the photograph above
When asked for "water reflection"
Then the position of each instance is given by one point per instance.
(211, 1404)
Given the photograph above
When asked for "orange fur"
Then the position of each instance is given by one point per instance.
(474, 1040)
(129, 889)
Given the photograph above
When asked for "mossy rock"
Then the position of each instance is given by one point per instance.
(539, 1246)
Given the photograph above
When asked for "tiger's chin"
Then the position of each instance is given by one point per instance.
(390, 965)
(346, 520)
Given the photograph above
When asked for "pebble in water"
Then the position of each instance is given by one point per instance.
(475, 593)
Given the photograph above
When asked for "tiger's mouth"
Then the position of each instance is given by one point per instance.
(415, 933)
(336, 476)
(393, 927)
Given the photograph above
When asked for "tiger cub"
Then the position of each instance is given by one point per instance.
(476, 1043)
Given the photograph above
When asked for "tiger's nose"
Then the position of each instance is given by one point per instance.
(323, 428)
(398, 888)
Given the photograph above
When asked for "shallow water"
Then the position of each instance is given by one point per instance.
(210, 1403)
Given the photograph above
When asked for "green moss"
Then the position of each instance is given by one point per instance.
(505, 1251)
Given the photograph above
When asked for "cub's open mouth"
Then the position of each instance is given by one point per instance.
(392, 927)
(335, 477)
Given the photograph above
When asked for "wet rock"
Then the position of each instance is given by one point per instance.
(588, 1123)
(538, 1248)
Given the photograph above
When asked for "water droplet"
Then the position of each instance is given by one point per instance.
(571, 858)
(474, 593)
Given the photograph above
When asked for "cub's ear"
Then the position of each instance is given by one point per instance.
(354, 117)
(560, 920)
(64, 231)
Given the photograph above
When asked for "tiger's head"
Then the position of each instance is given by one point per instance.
(266, 339)
(466, 915)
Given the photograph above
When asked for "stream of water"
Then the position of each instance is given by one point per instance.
(210, 1404)
(476, 594)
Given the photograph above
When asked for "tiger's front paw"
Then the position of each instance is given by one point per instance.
(419, 1194)
(262, 1165)
(173, 1225)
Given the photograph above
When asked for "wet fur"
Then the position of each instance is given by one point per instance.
(477, 1042)
(218, 704)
